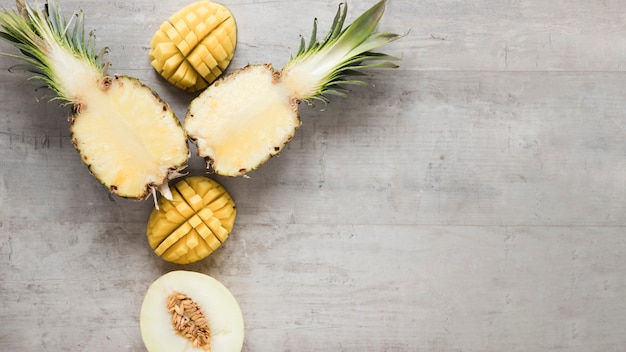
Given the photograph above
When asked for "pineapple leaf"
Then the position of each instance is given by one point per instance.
(9, 37)
(56, 22)
(361, 29)
(21, 7)
(374, 41)
(352, 82)
(337, 92)
(342, 53)
(338, 22)
(79, 30)
(44, 35)
(28, 68)
(313, 39)
(302, 45)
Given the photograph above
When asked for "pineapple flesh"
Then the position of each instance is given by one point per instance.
(248, 116)
(128, 137)
(238, 137)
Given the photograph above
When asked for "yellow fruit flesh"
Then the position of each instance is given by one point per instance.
(194, 47)
(129, 138)
(237, 135)
(194, 223)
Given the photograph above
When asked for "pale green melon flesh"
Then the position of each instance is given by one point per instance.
(219, 306)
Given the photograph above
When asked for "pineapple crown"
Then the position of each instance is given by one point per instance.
(38, 33)
(343, 52)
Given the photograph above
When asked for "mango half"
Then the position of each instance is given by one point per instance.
(194, 223)
(195, 45)
(190, 311)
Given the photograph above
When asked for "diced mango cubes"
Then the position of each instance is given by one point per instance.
(194, 47)
(194, 224)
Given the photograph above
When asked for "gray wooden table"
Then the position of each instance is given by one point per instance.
(472, 200)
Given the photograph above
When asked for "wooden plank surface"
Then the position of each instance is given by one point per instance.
(472, 200)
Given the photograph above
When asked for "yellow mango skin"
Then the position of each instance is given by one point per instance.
(195, 45)
(194, 224)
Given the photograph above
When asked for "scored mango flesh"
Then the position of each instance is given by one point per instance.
(194, 223)
(195, 46)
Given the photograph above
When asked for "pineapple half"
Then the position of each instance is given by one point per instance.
(247, 117)
(128, 137)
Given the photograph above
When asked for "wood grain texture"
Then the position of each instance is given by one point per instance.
(472, 200)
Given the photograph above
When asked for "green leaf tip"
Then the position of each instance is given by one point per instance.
(343, 52)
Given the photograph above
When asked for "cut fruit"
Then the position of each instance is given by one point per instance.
(247, 117)
(194, 223)
(195, 46)
(189, 311)
(236, 138)
(128, 137)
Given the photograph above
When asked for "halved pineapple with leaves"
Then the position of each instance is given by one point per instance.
(247, 117)
(128, 137)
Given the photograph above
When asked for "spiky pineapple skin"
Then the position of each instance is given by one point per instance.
(220, 111)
